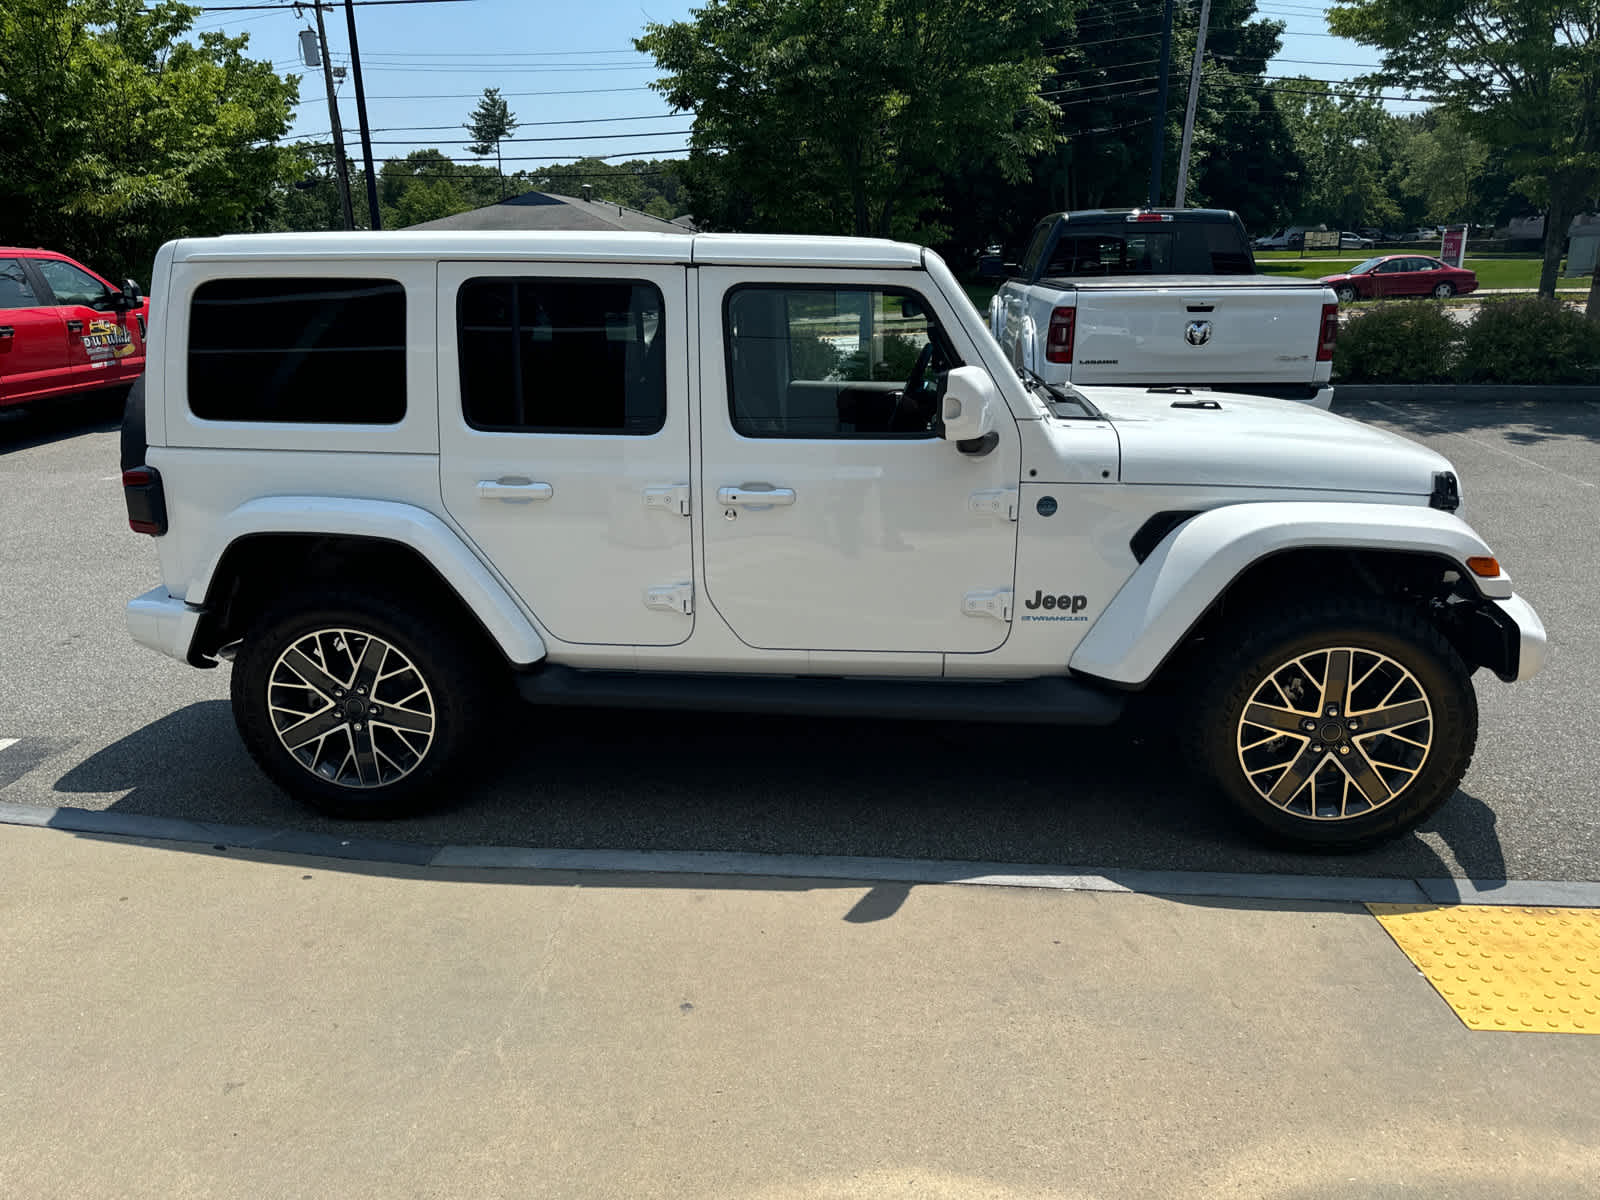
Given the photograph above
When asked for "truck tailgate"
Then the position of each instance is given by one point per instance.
(1197, 331)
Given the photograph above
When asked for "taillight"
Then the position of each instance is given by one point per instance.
(1058, 342)
(1142, 217)
(1329, 332)
(146, 500)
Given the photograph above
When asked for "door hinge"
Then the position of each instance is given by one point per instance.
(1001, 503)
(671, 597)
(673, 499)
(996, 604)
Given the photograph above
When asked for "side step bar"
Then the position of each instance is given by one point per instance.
(1051, 700)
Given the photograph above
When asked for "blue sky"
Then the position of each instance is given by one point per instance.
(572, 67)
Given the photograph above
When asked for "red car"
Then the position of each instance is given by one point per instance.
(64, 329)
(1402, 275)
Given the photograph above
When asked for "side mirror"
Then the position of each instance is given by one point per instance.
(970, 410)
(992, 266)
(131, 290)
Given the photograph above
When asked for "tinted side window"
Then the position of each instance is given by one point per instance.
(1228, 249)
(1035, 250)
(562, 355)
(822, 362)
(322, 351)
(71, 285)
(15, 290)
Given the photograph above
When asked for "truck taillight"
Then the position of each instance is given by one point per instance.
(1058, 342)
(1329, 332)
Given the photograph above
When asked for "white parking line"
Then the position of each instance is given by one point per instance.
(1487, 446)
(7, 743)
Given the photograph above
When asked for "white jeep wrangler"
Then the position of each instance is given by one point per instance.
(393, 476)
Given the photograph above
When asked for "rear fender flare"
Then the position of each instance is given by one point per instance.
(1184, 575)
(381, 520)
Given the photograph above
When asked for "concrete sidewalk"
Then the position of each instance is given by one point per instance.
(179, 1021)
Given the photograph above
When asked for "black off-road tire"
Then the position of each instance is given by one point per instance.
(459, 675)
(1229, 676)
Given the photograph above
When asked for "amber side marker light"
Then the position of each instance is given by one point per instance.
(1488, 568)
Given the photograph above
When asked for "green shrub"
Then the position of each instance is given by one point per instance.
(1530, 340)
(1408, 342)
(810, 357)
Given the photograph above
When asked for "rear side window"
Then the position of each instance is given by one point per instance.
(315, 351)
(15, 290)
(562, 355)
(1132, 248)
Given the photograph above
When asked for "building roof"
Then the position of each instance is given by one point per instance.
(540, 211)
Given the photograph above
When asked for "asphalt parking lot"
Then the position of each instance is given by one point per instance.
(89, 720)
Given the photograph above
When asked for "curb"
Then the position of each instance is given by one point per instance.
(1464, 393)
(1198, 884)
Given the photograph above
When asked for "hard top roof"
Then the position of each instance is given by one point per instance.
(558, 246)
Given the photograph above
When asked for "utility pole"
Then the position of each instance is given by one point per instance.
(1159, 136)
(1194, 100)
(333, 119)
(361, 114)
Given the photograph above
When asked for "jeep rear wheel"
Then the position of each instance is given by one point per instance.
(356, 707)
(1339, 726)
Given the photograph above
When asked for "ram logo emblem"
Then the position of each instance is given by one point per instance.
(1197, 333)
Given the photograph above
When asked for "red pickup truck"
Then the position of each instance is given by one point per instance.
(64, 329)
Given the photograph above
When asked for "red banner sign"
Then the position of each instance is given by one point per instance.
(1454, 249)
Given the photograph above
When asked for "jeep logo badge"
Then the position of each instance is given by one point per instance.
(1197, 333)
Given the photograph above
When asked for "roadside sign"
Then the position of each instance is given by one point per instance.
(1320, 239)
(1454, 248)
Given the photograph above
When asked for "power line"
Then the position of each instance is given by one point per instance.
(569, 137)
(292, 7)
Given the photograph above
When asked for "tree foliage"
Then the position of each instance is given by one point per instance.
(489, 124)
(1102, 90)
(1347, 142)
(116, 134)
(1522, 75)
(842, 115)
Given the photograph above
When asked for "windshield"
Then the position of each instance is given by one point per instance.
(1366, 266)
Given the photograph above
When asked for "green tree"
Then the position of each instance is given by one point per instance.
(1522, 75)
(1348, 142)
(489, 124)
(1442, 166)
(843, 116)
(116, 135)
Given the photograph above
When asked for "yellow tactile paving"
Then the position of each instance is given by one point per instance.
(1523, 969)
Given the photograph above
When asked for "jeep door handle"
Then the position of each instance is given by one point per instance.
(518, 492)
(732, 497)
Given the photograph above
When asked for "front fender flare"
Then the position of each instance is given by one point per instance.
(1192, 566)
(384, 520)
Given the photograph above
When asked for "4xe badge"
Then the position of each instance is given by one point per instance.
(1066, 607)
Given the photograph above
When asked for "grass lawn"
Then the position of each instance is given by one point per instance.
(1492, 272)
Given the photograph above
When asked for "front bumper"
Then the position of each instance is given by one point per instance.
(163, 622)
(1529, 641)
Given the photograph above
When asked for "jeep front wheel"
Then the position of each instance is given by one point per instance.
(1338, 727)
(353, 706)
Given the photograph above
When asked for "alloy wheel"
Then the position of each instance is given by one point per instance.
(350, 708)
(1334, 734)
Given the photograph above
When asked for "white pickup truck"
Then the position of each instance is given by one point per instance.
(1163, 298)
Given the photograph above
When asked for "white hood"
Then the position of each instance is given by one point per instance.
(1253, 441)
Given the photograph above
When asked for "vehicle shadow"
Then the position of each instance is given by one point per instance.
(27, 426)
(1519, 422)
(1086, 801)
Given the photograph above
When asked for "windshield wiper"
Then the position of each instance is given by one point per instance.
(1069, 395)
